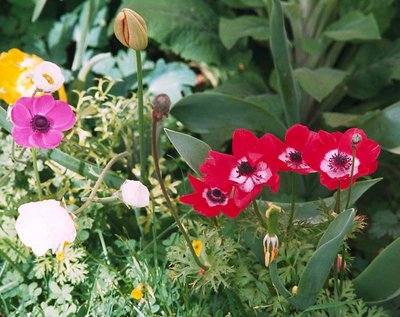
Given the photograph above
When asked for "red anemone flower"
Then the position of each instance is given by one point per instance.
(331, 155)
(290, 152)
(252, 165)
(210, 200)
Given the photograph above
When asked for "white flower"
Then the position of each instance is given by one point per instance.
(135, 194)
(47, 76)
(45, 225)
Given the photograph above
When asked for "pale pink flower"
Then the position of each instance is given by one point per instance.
(39, 121)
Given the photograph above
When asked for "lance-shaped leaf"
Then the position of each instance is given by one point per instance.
(320, 82)
(380, 281)
(192, 150)
(318, 267)
(280, 53)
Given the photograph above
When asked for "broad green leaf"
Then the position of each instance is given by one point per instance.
(173, 79)
(38, 9)
(189, 28)
(337, 119)
(80, 167)
(376, 66)
(320, 82)
(311, 210)
(243, 85)
(231, 30)
(383, 127)
(354, 26)
(380, 281)
(192, 150)
(218, 115)
(244, 4)
(317, 270)
(280, 53)
(383, 10)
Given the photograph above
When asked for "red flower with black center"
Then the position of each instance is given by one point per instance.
(331, 155)
(290, 152)
(252, 165)
(210, 200)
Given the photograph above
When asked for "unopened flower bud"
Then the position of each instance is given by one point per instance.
(162, 105)
(294, 290)
(135, 194)
(357, 138)
(131, 30)
(341, 264)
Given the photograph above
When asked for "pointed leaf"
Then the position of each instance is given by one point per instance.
(380, 281)
(280, 53)
(320, 82)
(320, 263)
(192, 150)
(231, 30)
(218, 115)
(354, 26)
(38, 9)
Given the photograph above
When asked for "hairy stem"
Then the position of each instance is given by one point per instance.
(100, 180)
(166, 195)
(259, 215)
(36, 173)
(141, 117)
(293, 203)
(353, 158)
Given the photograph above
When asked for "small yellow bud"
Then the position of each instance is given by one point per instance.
(131, 30)
(294, 290)
(197, 245)
(137, 292)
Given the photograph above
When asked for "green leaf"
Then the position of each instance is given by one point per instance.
(244, 4)
(320, 263)
(218, 115)
(192, 150)
(80, 167)
(189, 28)
(354, 26)
(231, 30)
(38, 9)
(320, 82)
(336, 119)
(312, 209)
(380, 281)
(171, 79)
(280, 53)
(383, 127)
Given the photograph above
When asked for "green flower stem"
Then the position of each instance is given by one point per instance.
(36, 172)
(13, 157)
(353, 158)
(337, 205)
(100, 180)
(166, 195)
(293, 203)
(259, 215)
(141, 117)
(103, 246)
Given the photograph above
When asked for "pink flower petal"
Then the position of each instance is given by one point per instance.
(21, 136)
(36, 140)
(43, 104)
(52, 138)
(21, 116)
(62, 116)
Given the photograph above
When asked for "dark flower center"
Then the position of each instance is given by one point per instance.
(216, 196)
(40, 123)
(245, 169)
(295, 156)
(339, 161)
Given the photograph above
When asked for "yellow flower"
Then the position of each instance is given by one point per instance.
(15, 80)
(60, 256)
(137, 292)
(197, 245)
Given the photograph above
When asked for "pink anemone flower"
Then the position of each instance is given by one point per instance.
(39, 121)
